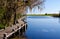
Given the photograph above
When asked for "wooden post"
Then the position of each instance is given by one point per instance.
(25, 27)
(4, 36)
(19, 32)
(12, 30)
(13, 35)
(17, 27)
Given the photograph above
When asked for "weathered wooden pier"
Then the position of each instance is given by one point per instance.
(13, 30)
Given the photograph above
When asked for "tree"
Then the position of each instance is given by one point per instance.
(9, 9)
(45, 13)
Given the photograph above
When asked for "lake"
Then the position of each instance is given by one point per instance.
(43, 27)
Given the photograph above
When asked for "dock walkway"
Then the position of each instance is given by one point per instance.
(8, 31)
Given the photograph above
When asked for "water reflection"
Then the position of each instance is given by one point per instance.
(43, 27)
(59, 19)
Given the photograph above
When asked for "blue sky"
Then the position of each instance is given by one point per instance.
(51, 6)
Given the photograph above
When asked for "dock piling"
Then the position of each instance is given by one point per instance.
(4, 36)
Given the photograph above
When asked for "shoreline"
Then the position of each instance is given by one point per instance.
(53, 15)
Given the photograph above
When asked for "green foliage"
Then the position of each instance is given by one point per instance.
(2, 11)
(2, 26)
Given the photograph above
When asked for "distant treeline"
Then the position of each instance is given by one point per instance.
(54, 15)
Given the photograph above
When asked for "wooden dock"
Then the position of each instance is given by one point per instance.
(9, 31)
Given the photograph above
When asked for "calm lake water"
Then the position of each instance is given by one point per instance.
(43, 27)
